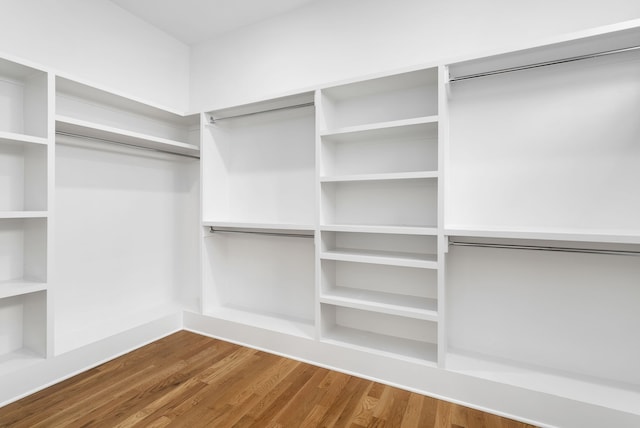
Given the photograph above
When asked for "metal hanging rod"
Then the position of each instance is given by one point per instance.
(120, 143)
(543, 64)
(284, 235)
(545, 248)
(213, 120)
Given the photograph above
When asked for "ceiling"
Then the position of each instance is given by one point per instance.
(192, 21)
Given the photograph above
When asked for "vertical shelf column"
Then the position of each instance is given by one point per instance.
(26, 160)
(380, 246)
(443, 244)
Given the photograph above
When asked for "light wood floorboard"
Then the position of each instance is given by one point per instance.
(188, 380)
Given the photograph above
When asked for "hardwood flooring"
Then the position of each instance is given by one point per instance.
(188, 380)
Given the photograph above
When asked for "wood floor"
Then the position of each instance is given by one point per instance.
(188, 380)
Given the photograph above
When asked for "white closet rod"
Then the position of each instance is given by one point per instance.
(543, 64)
(120, 143)
(545, 248)
(284, 235)
(213, 120)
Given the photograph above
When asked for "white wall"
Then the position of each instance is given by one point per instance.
(98, 42)
(126, 239)
(332, 40)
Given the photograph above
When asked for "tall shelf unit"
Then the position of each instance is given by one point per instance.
(379, 215)
(25, 198)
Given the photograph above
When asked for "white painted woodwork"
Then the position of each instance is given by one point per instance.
(399, 149)
(401, 166)
(24, 215)
(128, 214)
(394, 98)
(94, 113)
(564, 135)
(260, 168)
(373, 183)
(385, 203)
(23, 328)
(400, 336)
(393, 249)
(23, 100)
(23, 183)
(378, 173)
(267, 281)
(569, 315)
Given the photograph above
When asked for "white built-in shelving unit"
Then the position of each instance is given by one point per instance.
(361, 175)
(25, 199)
(542, 195)
(379, 215)
(37, 110)
(330, 215)
(520, 181)
(258, 187)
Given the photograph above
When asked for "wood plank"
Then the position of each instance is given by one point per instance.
(188, 380)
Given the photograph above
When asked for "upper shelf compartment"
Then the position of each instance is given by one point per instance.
(583, 45)
(258, 165)
(85, 111)
(23, 101)
(391, 99)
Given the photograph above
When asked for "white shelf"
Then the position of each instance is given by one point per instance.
(373, 102)
(404, 230)
(551, 234)
(19, 287)
(396, 347)
(617, 396)
(392, 258)
(18, 360)
(380, 177)
(379, 126)
(88, 129)
(270, 321)
(23, 214)
(388, 303)
(24, 108)
(12, 137)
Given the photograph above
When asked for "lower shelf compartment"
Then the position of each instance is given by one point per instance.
(23, 329)
(399, 337)
(18, 359)
(615, 395)
(272, 321)
(261, 280)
